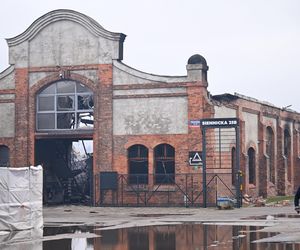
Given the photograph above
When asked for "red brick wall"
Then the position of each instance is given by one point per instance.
(110, 152)
(21, 119)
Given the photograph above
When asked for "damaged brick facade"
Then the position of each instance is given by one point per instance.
(135, 108)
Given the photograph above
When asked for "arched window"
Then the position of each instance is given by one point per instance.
(138, 164)
(4, 156)
(251, 166)
(270, 150)
(164, 163)
(287, 152)
(65, 105)
(233, 165)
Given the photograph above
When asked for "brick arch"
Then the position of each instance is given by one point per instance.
(136, 142)
(251, 144)
(271, 125)
(162, 142)
(48, 80)
(42, 83)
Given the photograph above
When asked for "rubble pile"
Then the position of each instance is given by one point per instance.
(261, 202)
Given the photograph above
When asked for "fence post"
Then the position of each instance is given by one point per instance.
(204, 165)
(237, 167)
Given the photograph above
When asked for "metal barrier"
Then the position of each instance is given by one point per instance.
(167, 190)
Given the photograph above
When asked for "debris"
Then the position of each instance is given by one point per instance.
(259, 202)
(225, 203)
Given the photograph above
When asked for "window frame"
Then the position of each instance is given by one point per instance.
(141, 178)
(75, 110)
(165, 157)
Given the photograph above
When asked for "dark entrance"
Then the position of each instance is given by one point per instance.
(221, 160)
(67, 165)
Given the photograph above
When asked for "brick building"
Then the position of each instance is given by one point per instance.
(67, 83)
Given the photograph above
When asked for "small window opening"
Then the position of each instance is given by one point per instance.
(251, 165)
(164, 160)
(4, 156)
(138, 164)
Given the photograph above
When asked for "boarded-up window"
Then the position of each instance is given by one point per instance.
(4, 156)
(138, 164)
(164, 160)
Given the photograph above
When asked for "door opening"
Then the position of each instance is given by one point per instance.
(68, 170)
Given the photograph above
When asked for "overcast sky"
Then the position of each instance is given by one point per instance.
(252, 47)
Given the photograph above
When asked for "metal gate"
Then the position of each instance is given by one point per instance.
(221, 160)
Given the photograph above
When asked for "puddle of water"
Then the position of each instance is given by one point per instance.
(170, 237)
(264, 217)
(158, 215)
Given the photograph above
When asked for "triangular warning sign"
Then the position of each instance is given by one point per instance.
(196, 158)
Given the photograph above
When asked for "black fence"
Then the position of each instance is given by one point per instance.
(162, 190)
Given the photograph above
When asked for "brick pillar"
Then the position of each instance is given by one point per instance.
(198, 108)
(103, 136)
(262, 162)
(195, 112)
(105, 123)
(243, 157)
(296, 160)
(21, 119)
(281, 171)
(151, 170)
(31, 128)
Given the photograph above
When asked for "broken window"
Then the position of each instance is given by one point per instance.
(65, 105)
(4, 156)
(251, 166)
(65, 120)
(164, 160)
(138, 164)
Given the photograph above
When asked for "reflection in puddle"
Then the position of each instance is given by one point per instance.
(171, 237)
(264, 217)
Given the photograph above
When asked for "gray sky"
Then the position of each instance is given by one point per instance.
(251, 46)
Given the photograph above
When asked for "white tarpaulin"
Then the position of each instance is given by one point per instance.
(21, 198)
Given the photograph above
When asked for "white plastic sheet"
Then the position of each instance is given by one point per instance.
(21, 198)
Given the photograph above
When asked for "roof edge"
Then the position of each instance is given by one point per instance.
(64, 14)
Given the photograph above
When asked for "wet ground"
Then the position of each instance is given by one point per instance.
(79, 227)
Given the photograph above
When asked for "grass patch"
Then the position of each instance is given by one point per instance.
(276, 199)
